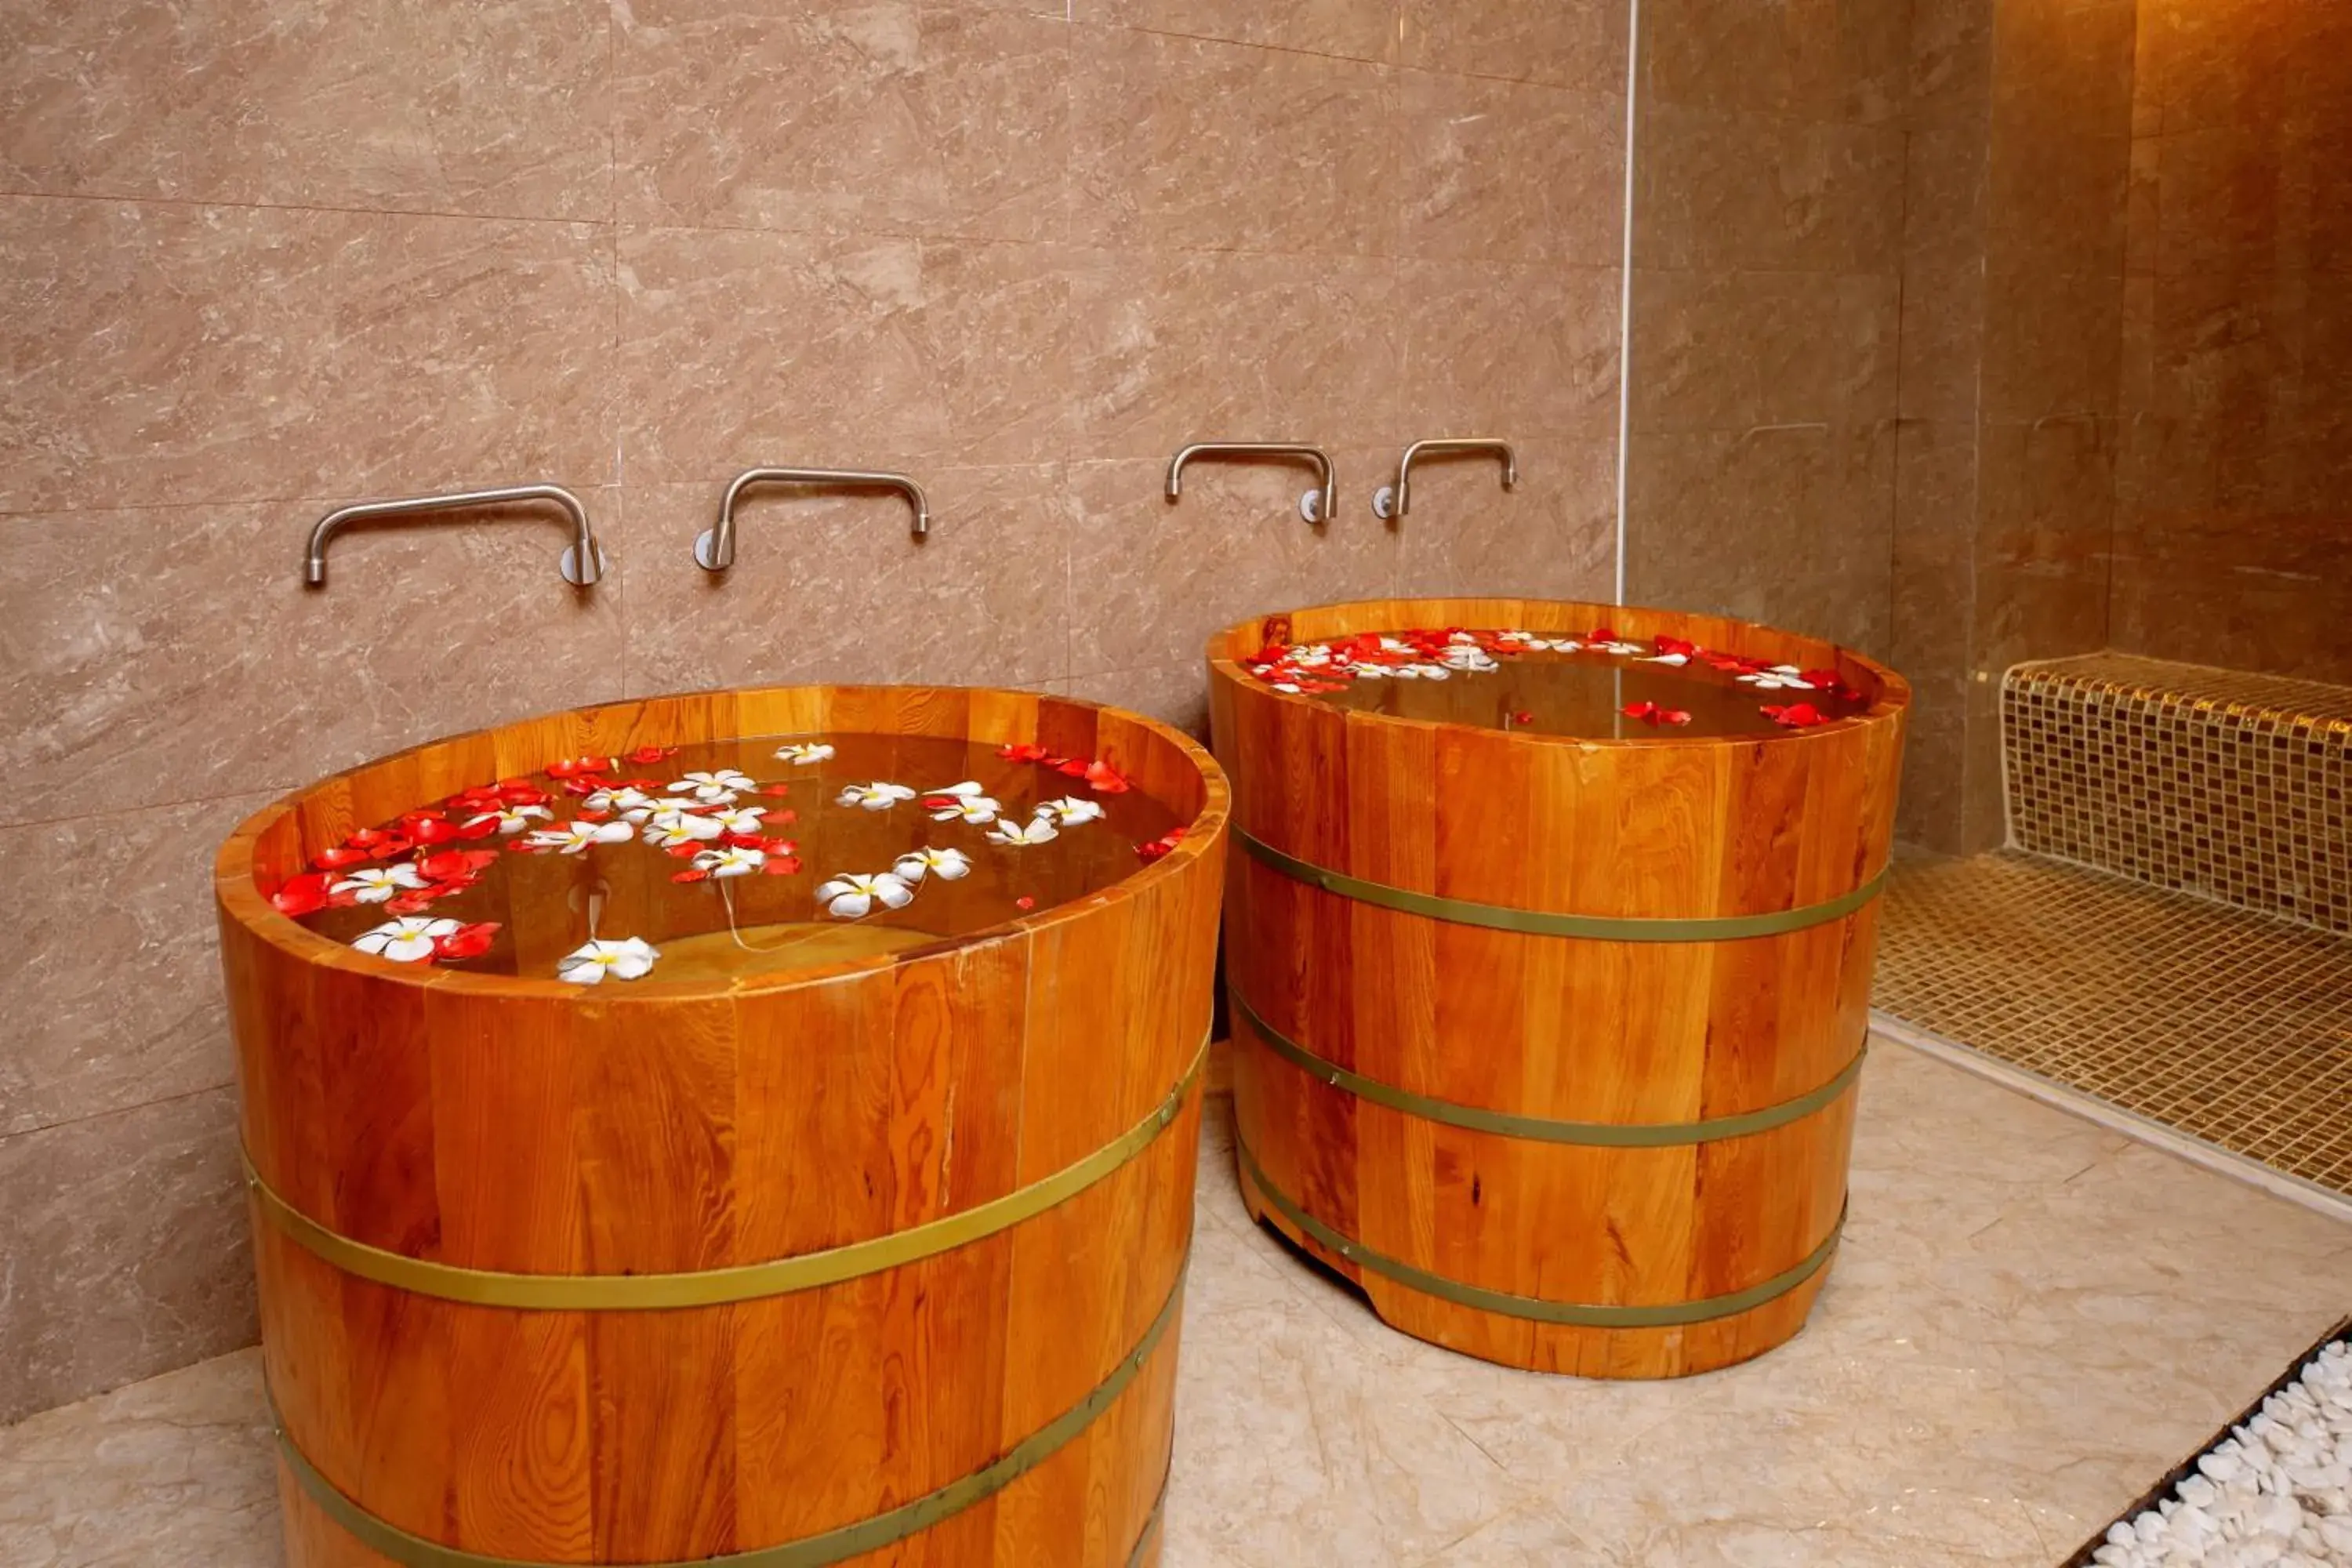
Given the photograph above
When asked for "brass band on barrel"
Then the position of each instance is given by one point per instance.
(1544, 1129)
(1572, 1314)
(718, 1287)
(389, 1540)
(1542, 922)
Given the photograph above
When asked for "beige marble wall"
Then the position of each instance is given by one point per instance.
(257, 260)
(2236, 472)
(1768, 220)
(2017, 164)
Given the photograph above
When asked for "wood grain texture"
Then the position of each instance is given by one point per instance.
(1563, 1028)
(520, 1124)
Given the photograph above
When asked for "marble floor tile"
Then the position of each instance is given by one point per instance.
(2032, 1319)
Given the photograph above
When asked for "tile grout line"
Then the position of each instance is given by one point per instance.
(8, 1138)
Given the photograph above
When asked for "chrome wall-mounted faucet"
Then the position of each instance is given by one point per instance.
(1314, 506)
(1394, 500)
(584, 559)
(714, 548)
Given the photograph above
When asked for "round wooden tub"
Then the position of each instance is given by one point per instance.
(1548, 1043)
(877, 1262)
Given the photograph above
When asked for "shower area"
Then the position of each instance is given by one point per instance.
(2027, 369)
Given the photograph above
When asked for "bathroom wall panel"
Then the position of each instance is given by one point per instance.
(114, 933)
(1506, 170)
(1190, 143)
(1828, 61)
(493, 108)
(832, 586)
(1785, 370)
(889, 117)
(1552, 537)
(172, 654)
(1729, 191)
(738, 347)
(1149, 578)
(128, 1239)
(1504, 349)
(1182, 345)
(161, 353)
(1565, 43)
(1351, 29)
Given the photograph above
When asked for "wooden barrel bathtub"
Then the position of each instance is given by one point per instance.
(1549, 1044)
(875, 1262)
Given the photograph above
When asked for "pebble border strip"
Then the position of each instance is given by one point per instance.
(2275, 1487)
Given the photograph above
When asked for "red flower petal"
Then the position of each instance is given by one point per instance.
(1024, 753)
(482, 829)
(775, 789)
(413, 904)
(1024, 902)
(645, 756)
(465, 941)
(336, 858)
(302, 895)
(1106, 779)
(1603, 633)
(1523, 717)
(1645, 712)
(684, 851)
(689, 876)
(520, 792)
(1674, 716)
(575, 767)
(781, 866)
(455, 865)
(940, 802)
(433, 830)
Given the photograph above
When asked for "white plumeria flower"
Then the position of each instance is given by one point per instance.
(1069, 811)
(587, 965)
(1519, 636)
(1290, 685)
(965, 803)
(739, 818)
(670, 829)
(668, 806)
(731, 861)
(850, 898)
(805, 753)
(1565, 645)
(1470, 659)
(949, 864)
(1371, 671)
(874, 796)
(575, 837)
(378, 884)
(1676, 658)
(405, 939)
(1782, 679)
(513, 819)
(716, 788)
(1037, 830)
(620, 801)
(1620, 647)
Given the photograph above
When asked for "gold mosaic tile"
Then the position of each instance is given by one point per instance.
(2207, 781)
(2229, 1025)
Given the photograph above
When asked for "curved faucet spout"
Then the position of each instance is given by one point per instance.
(584, 559)
(1442, 446)
(715, 549)
(1316, 506)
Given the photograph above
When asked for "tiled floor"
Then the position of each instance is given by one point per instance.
(2232, 1027)
(2033, 1319)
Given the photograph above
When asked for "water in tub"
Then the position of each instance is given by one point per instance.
(1595, 686)
(730, 858)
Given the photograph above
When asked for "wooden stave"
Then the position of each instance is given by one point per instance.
(1286, 940)
(1164, 913)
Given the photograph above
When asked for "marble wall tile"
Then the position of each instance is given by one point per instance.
(123, 1249)
(1790, 526)
(2052, 343)
(1729, 350)
(498, 108)
(1175, 693)
(1152, 579)
(1502, 171)
(1186, 143)
(1565, 43)
(1190, 346)
(1835, 60)
(832, 585)
(160, 353)
(738, 348)
(2225, 200)
(2220, 62)
(1951, 78)
(174, 654)
(1553, 536)
(886, 118)
(1718, 189)
(1508, 350)
(93, 899)
(2243, 588)
(1351, 29)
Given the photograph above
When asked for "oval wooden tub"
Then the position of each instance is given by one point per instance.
(1614, 1140)
(875, 1262)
